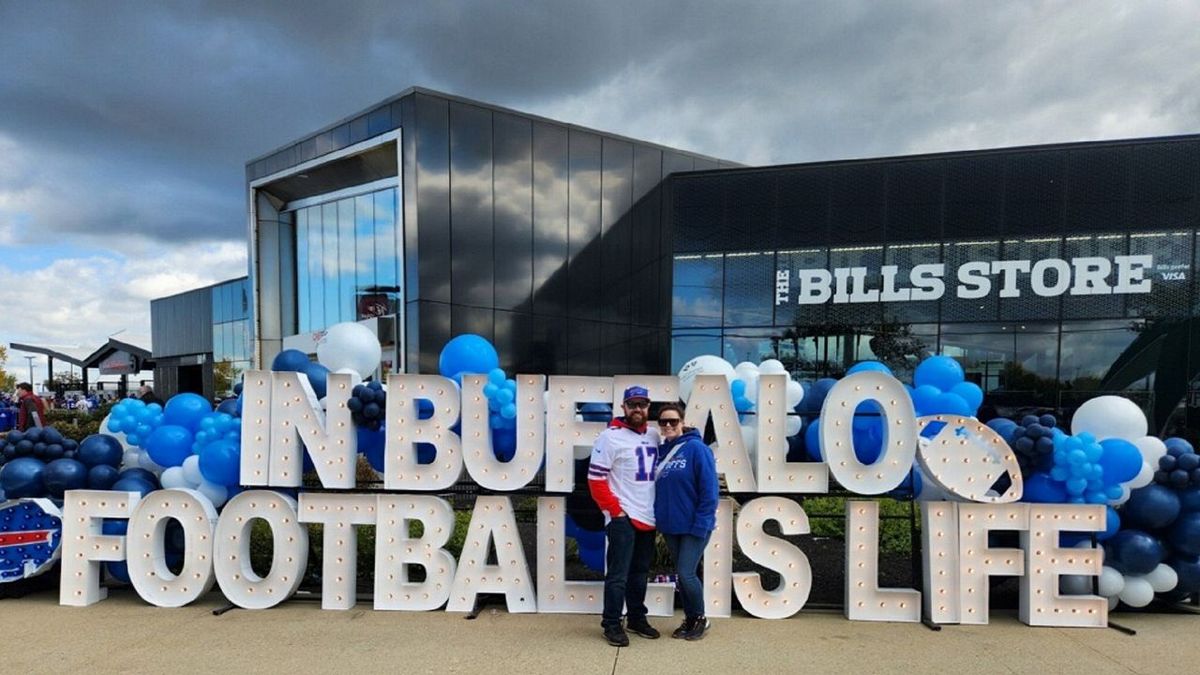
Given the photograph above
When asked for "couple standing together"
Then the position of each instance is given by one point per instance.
(645, 479)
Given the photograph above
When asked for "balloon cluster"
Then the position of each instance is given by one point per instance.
(173, 545)
(590, 544)
(1032, 440)
(474, 354)
(1092, 472)
(940, 388)
(44, 443)
(1180, 467)
(197, 448)
(136, 419)
(92, 465)
(866, 428)
(368, 405)
(743, 387)
(296, 361)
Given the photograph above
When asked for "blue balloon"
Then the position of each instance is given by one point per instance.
(868, 366)
(102, 477)
(370, 444)
(1112, 524)
(1134, 552)
(23, 477)
(924, 399)
(318, 376)
(868, 438)
(947, 403)
(812, 440)
(1189, 499)
(504, 444)
(169, 445)
(229, 406)
(1004, 427)
(134, 484)
(1185, 534)
(426, 453)
(814, 398)
(1152, 507)
(424, 409)
(1121, 461)
(596, 412)
(969, 392)
(290, 360)
(468, 353)
(138, 473)
(942, 372)
(1188, 569)
(220, 462)
(1178, 444)
(100, 449)
(737, 388)
(64, 474)
(185, 410)
(1040, 488)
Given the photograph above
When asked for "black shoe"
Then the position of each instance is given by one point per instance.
(699, 628)
(616, 636)
(644, 629)
(684, 629)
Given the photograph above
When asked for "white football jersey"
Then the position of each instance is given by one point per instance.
(626, 459)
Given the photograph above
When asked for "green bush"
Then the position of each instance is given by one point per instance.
(894, 533)
(72, 424)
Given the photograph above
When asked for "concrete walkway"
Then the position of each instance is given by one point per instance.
(123, 634)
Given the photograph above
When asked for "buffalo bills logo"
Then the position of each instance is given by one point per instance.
(30, 534)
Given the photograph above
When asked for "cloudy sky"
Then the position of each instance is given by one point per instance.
(125, 126)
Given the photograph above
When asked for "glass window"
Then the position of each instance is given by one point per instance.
(856, 313)
(316, 268)
(219, 353)
(789, 311)
(1105, 246)
(687, 345)
(1169, 276)
(697, 290)
(1089, 349)
(1028, 305)
(983, 349)
(303, 302)
(905, 257)
(329, 221)
(957, 254)
(387, 260)
(749, 289)
(347, 279)
(364, 267)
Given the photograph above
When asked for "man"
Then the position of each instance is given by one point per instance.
(31, 409)
(621, 480)
(146, 394)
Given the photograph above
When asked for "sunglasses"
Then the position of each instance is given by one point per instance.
(669, 422)
(637, 405)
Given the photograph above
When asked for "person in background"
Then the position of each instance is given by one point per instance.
(146, 394)
(621, 480)
(31, 408)
(685, 510)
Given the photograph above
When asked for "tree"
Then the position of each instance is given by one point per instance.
(224, 377)
(8, 381)
(64, 381)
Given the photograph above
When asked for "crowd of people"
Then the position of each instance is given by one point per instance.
(23, 409)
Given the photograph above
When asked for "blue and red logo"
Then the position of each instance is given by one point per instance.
(30, 534)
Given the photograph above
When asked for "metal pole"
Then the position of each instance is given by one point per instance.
(30, 360)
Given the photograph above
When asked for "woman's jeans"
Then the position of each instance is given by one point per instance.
(686, 551)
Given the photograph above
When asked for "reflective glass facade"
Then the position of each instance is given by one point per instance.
(1043, 338)
(231, 326)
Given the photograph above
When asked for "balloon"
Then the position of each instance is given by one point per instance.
(1189, 499)
(1145, 477)
(1188, 571)
(1137, 592)
(229, 406)
(1151, 448)
(795, 394)
(191, 470)
(174, 478)
(792, 425)
(947, 403)
(703, 365)
(769, 367)
(812, 440)
(370, 444)
(868, 366)
(220, 462)
(1152, 507)
(186, 410)
(1110, 417)
(814, 398)
(23, 477)
(100, 449)
(1040, 488)
(467, 353)
(746, 371)
(170, 444)
(290, 360)
(64, 474)
(1111, 582)
(868, 438)
(351, 345)
(1003, 426)
(134, 484)
(318, 378)
(1135, 552)
(1121, 461)
(1163, 578)
(101, 477)
(217, 494)
(924, 398)
(1185, 534)
(969, 392)
(596, 412)
(942, 372)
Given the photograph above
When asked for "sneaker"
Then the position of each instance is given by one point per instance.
(698, 629)
(684, 629)
(616, 636)
(644, 629)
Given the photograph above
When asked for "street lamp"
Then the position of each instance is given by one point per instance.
(30, 359)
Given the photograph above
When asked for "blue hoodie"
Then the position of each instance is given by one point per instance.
(685, 499)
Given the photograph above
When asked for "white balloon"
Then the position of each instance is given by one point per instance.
(795, 394)
(174, 478)
(148, 464)
(355, 378)
(1152, 449)
(1137, 592)
(1144, 477)
(745, 368)
(794, 424)
(1162, 578)
(1113, 602)
(1110, 417)
(706, 364)
(750, 437)
(1074, 584)
(217, 494)
(752, 387)
(349, 345)
(1111, 582)
(131, 459)
(191, 470)
(772, 367)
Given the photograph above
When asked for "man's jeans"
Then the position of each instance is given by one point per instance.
(686, 551)
(629, 553)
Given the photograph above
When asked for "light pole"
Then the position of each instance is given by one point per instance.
(30, 359)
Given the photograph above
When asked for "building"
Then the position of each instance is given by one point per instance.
(1053, 273)
(201, 339)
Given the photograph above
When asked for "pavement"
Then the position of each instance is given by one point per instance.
(124, 634)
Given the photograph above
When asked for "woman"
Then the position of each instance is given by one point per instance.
(685, 510)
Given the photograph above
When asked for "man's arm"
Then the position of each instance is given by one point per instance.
(598, 471)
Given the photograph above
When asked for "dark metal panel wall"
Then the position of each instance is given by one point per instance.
(182, 324)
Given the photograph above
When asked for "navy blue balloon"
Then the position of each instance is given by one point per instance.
(100, 449)
(142, 474)
(1003, 426)
(317, 377)
(229, 406)
(1185, 534)
(64, 474)
(1178, 445)
(290, 360)
(1152, 507)
(370, 444)
(1121, 461)
(1135, 552)
(1040, 488)
(1188, 569)
(1189, 499)
(101, 477)
(25, 447)
(237, 389)
(596, 412)
(868, 438)
(815, 397)
(504, 444)
(812, 440)
(15, 436)
(54, 451)
(51, 435)
(23, 477)
(134, 484)
(426, 453)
